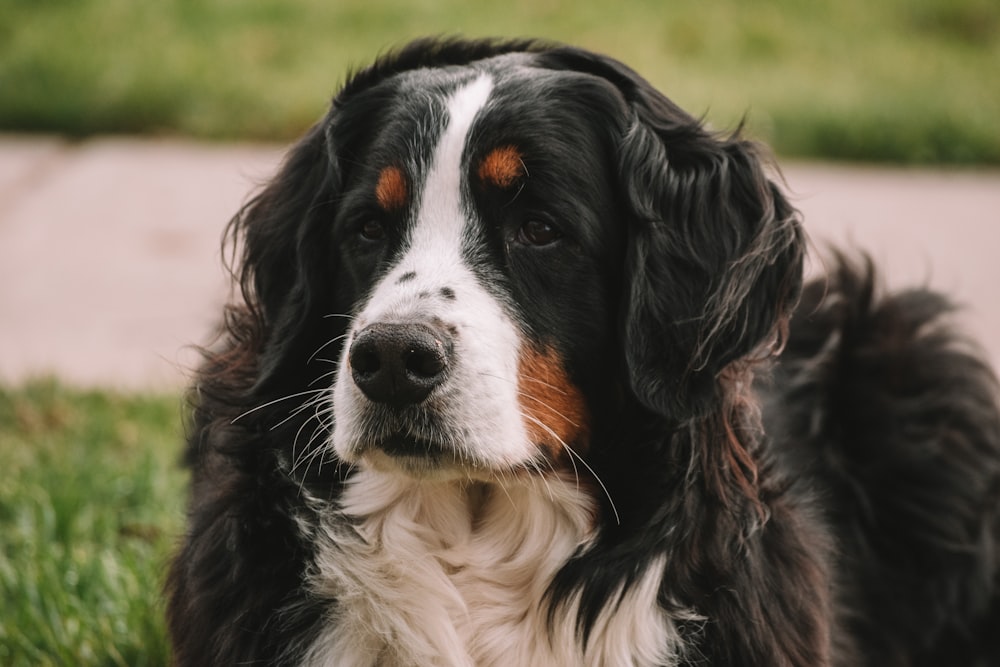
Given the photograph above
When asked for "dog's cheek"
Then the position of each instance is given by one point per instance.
(553, 408)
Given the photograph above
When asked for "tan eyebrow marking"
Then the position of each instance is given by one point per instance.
(391, 191)
(502, 167)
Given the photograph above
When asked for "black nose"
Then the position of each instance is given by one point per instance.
(399, 364)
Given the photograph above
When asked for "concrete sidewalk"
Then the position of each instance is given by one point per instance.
(110, 267)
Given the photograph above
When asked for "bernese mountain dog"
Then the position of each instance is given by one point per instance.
(521, 371)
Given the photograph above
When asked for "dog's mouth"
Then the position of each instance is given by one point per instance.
(416, 456)
(405, 445)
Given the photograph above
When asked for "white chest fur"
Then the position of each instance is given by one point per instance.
(455, 574)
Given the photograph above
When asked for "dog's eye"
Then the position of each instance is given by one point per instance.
(538, 233)
(372, 230)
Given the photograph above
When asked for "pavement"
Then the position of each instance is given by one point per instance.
(111, 273)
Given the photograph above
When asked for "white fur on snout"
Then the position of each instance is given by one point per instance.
(476, 409)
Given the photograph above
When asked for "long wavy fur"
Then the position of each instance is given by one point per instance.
(836, 505)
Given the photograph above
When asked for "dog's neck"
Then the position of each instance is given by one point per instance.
(457, 573)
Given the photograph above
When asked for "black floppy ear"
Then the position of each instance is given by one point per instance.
(714, 258)
(278, 231)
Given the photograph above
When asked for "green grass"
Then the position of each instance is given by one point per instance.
(893, 80)
(91, 501)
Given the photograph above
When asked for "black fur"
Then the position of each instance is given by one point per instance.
(896, 413)
(860, 527)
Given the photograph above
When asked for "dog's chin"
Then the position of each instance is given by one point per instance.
(418, 458)
(414, 467)
(424, 460)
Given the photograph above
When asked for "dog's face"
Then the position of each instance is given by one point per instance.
(479, 250)
(515, 239)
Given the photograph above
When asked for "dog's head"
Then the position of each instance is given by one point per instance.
(501, 239)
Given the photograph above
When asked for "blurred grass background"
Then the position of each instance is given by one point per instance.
(91, 504)
(912, 81)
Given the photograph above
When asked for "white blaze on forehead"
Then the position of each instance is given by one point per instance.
(441, 217)
(433, 250)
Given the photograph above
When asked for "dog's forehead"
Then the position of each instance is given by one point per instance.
(443, 81)
(525, 104)
(520, 84)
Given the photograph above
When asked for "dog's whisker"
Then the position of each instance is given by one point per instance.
(295, 441)
(549, 407)
(503, 487)
(275, 402)
(527, 378)
(309, 452)
(323, 417)
(540, 401)
(593, 474)
(324, 376)
(542, 478)
(328, 343)
(547, 385)
(561, 442)
(297, 411)
(599, 481)
(319, 432)
(306, 461)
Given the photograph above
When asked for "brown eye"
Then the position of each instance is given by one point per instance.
(538, 233)
(372, 230)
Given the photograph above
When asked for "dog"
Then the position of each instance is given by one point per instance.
(522, 370)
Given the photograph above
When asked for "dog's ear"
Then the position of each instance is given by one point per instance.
(714, 254)
(274, 235)
(713, 261)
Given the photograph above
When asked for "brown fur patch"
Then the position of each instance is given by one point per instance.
(391, 191)
(553, 407)
(503, 167)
